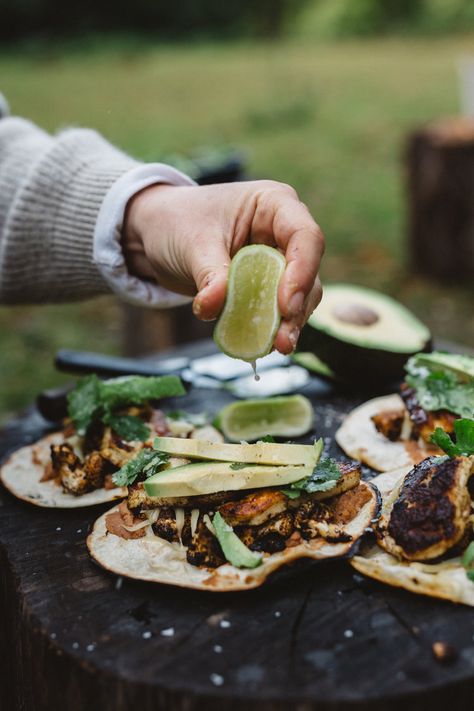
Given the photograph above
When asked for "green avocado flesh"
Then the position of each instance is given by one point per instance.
(363, 334)
(212, 477)
(234, 550)
(260, 453)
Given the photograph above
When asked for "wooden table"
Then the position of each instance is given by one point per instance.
(316, 636)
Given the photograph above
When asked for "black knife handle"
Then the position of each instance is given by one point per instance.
(82, 362)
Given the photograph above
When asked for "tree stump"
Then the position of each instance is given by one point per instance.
(440, 183)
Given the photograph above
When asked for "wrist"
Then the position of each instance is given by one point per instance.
(141, 211)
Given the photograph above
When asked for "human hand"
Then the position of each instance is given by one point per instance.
(185, 237)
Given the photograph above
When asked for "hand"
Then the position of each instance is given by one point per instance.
(185, 237)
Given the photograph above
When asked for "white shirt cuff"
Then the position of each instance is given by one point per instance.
(108, 254)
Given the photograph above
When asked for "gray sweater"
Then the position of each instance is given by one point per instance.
(51, 191)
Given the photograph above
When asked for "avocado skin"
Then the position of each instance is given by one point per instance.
(352, 363)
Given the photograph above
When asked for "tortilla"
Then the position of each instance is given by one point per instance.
(22, 471)
(360, 440)
(153, 559)
(446, 580)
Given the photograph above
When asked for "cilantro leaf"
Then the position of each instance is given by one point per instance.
(238, 465)
(464, 445)
(84, 403)
(147, 461)
(128, 427)
(267, 438)
(93, 400)
(324, 477)
(467, 560)
(138, 389)
(439, 388)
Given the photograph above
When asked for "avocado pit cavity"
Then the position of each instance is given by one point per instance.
(355, 314)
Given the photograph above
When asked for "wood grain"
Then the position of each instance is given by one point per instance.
(316, 636)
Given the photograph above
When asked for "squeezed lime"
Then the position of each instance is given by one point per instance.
(250, 319)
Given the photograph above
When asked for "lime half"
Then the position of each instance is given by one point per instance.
(249, 321)
(249, 420)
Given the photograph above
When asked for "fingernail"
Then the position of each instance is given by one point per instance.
(293, 336)
(295, 303)
(197, 308)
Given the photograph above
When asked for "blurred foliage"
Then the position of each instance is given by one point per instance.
(160, 18)
(352, 18)
(330, 119)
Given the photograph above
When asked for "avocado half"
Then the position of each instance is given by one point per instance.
(363, 335)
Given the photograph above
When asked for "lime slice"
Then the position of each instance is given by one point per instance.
(248, 420)
(249, 321)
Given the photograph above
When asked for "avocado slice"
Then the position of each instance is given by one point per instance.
(363, 335)
(212, 477)
(260, 453)
(234, 550)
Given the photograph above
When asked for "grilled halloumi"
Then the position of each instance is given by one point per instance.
(428, 513)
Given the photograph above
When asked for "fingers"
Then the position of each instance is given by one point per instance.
(283, 220)
(288, 333)
(209, 262)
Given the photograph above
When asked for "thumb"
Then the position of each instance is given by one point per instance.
(209, 269)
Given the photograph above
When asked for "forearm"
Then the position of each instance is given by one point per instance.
(51, 192)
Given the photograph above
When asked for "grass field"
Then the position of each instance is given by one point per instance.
(329, 119)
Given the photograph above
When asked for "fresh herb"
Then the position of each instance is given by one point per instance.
(267, 438)
(84, 403)
(128, 427)
(441, 389)
(139, 389)
(324, 478)
(467, 561)
(464, 445)
(238, 465)
(198, 419)
(94, 401)
(147, 461)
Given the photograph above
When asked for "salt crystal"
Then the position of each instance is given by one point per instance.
(217, 648)
(90, 647)
(348, 634)
(75, 645)
(146, 635)
(217, 679)
(79, 530)
(58, 528)
(53, 635)
(118, 584)
(277, 613)
(169, 632)
(224, 624)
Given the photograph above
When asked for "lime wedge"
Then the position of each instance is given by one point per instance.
(249, 321)
(248, 420)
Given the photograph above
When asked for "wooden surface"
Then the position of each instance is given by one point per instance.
(316, 636)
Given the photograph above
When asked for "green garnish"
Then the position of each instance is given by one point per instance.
(93, 400)
(464, 445)
(239, 465)
(467, 561)
(267, 438)
(147, 461)
(128, 427)
(440, 388)
(234, 550)
(324, 477)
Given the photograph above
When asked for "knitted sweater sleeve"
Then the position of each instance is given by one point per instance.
(57, 196)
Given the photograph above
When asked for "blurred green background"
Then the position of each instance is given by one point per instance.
(319, 94)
